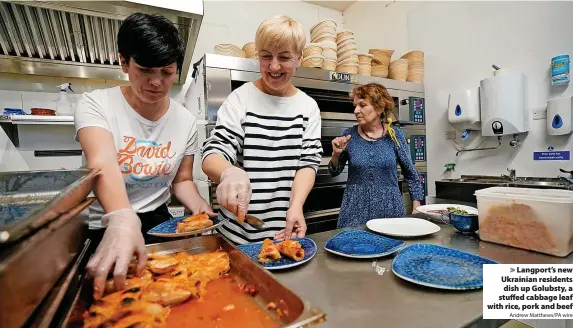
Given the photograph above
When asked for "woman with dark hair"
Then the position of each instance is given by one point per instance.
(143, 142)
(372, 149)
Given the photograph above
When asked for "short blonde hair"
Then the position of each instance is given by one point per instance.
(281, 31)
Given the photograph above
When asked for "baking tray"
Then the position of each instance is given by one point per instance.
(31, 199)
(300, 312)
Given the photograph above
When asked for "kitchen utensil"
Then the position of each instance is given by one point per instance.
(403, 227)
(168, 229)
(465, 223)
(440, 267)
(255, 222)
(362, 244)
(43, 111)
(252, 251)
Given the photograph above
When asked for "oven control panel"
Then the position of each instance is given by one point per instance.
(417, 110)
(423, 180)
(418, 148)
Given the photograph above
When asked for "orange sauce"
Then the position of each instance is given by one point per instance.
(224, 305)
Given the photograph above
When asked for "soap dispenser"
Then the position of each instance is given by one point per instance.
(64, 105)
(559, 118)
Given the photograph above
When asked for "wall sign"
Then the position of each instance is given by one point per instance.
(551, 155)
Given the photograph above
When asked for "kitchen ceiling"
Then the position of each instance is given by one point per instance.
(336, 5)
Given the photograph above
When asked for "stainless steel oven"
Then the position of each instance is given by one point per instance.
(216, 76)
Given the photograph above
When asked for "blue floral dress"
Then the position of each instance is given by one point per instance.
(372, 189)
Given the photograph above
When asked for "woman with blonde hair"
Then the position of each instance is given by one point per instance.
(373, 148)
(265, 148)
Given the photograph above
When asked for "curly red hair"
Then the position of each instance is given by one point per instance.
(377, 95)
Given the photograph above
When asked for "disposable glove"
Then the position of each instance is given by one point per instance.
(122, 239)
(234, 191)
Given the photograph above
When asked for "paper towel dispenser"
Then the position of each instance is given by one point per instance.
(559, 118)
(502, 101)
(464, 110)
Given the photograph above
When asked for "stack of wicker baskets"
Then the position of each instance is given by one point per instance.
(365, 64)
(312, 55)
(250, 50)
(380, 61)
(324, 34)
(347, 53)
(230, 50)
(415, 66)
(398, 70)
(329, 54)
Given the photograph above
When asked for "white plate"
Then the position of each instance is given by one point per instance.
(427, 209)
(403, 227)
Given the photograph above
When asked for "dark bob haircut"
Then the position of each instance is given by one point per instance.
(151, 40)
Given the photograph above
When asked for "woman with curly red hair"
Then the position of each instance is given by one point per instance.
(372, 149)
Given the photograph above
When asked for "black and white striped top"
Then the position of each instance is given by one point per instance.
(270, 138)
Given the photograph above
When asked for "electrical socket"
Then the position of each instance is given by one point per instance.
(450, 135)
(540, 113)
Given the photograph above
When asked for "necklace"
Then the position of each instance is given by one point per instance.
(368, 136)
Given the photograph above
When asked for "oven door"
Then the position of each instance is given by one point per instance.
(322, 206)
(410, 107)
(423, 175)
(330, 130)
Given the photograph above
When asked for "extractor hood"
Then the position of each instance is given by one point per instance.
(79, 38)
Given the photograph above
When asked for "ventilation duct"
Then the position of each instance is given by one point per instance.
(79, 38)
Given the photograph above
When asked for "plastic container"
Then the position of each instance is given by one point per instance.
(540, 220)
(64, 105)
(560, 73)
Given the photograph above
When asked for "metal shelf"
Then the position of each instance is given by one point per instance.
(37, 119)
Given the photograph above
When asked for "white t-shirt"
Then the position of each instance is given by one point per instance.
(148, 153)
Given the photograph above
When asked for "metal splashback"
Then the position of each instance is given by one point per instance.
(217, 73)
(78, 39)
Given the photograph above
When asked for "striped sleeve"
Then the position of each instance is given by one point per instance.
(311, 147)
(226, 138)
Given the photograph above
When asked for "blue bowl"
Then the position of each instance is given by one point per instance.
(466, 223)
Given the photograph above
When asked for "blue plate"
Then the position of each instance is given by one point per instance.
(440, 267)
(252, 251)
(168, 228)
(362, 244)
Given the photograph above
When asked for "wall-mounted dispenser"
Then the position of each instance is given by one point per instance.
(559, 118)
(502, 101)
(464, 110)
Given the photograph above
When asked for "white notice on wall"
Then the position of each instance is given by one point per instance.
(530, 291)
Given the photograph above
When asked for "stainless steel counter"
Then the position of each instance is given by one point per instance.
(365, 293)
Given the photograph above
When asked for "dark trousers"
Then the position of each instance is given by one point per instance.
(148, 221)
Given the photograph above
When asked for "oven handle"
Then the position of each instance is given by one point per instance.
(319, 214)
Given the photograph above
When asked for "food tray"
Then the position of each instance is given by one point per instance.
(300, 313)
(30, 269)
(30, 199)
